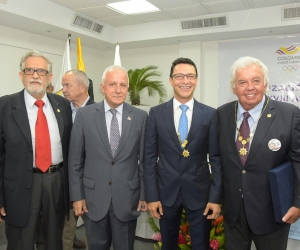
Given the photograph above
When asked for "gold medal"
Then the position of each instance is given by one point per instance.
(185, 153)
(243, 151)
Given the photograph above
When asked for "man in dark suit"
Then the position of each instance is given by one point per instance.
(106, 165)
(75, 88)
(183, 132)
(35, 130)
(248, 129)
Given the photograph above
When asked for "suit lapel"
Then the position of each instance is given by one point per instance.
(21, 117)
(231, 127)
(101, 125)
(58, 114)
(169, 121)
(196, 120)
(261, 130)
(127, 119)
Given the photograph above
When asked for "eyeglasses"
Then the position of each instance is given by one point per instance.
(190, 77)
(40, 72)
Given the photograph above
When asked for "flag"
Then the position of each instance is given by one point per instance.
(117, 56)
(65, 66)
(80, 62)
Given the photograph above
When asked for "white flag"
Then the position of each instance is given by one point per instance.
(117, 56)
(65, 66)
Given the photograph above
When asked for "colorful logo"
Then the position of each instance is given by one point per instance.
(290, 50)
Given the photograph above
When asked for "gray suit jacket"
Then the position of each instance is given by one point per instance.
(95, 175)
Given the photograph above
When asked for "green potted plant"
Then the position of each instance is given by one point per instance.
(140, 79)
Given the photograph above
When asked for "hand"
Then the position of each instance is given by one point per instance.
(142, 206)
(292, 215)
(2, 213)
(79, 207)
(155, 209)
(215, 208)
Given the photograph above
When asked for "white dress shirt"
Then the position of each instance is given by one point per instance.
(32, 109)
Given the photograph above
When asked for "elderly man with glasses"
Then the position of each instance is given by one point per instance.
(35, 129)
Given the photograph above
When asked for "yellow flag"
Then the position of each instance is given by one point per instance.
(80, 62)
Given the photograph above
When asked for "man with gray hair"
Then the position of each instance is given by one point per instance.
(106, 165)
(75, 89)
(35, 129)
(256, 134)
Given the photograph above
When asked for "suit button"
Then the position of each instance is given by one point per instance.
(110, 183)
(31, 150)
(244, 171)
(29, 169)
(240, 190)
(28, 187)
(113, 163)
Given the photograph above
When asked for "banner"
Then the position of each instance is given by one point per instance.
(280, 55)
(65, 66)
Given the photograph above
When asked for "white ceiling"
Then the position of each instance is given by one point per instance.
(170, 9)
(142, 30)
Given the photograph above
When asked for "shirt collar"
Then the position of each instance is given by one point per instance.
(255, 112)
(176, 104)
(73, 107)
(107, 107)
(30, 100)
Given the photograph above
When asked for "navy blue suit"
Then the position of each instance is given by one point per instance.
(174, 178)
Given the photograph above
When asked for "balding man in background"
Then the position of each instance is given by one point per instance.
(75, 87)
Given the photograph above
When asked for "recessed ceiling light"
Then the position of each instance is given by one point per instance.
(133, 7)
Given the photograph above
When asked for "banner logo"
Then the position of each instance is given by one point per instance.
(290, 68)
(289, 51)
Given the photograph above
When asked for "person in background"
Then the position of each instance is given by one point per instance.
(50, 88)
(75, 87)
(106, 165)
(180, 134)
(248, 130)
(35, 131)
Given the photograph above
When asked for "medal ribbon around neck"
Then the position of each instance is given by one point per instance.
(243, 151)
(185, 152)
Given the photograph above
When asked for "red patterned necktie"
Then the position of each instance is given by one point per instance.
(43, 157)
(243, 139)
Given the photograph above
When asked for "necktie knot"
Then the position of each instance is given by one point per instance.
(246, 115)
(183, 107)
(113, 111)
(39, 103)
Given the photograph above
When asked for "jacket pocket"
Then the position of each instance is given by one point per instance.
(9, 185)
(134, 183)
(89, 183)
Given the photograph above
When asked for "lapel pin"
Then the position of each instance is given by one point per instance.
(128, 118)
(58, 110)
(269, 115)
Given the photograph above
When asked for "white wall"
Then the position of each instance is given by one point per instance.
(14, 43)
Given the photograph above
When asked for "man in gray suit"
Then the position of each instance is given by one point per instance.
(106, 165)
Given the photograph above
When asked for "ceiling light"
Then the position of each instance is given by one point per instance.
(133, 7)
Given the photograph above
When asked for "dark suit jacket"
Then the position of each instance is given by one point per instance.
(279, 121)
(175, 172)
(16, 154)
(98, 177)
(90, 101)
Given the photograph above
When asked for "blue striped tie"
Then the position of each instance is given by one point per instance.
(183, 123)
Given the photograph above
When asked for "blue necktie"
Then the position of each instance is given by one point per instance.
(183, 123)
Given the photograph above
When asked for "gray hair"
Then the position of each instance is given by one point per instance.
(35, 53)
(79, 77)
(244, 62)
(114, 67)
